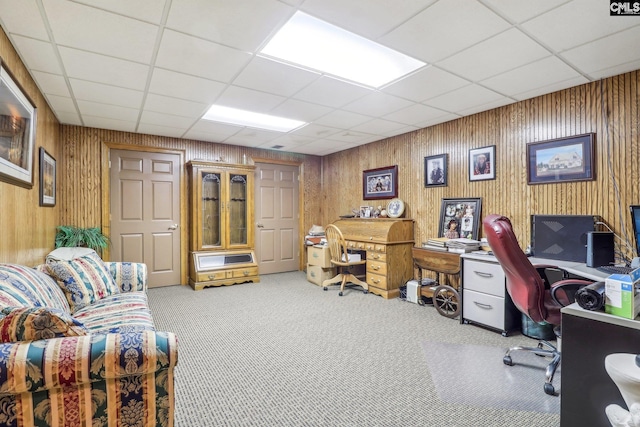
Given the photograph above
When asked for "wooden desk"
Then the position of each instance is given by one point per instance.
(388, 243)
(440, 262)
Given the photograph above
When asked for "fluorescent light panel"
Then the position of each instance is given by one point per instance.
(312, 43)
(218, 113)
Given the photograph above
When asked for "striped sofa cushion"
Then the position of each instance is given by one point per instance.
(22, 286)
(37, 323)
(124, 312)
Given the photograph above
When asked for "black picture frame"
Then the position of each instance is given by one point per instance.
(380, 183)
(465, 212)
(561, 160)
(433, 177)
(47, 179)
(482, 163)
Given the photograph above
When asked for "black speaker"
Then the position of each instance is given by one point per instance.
(562, 237)
(600, 248)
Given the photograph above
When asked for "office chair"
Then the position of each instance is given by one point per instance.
(530, 290)
(340, 258)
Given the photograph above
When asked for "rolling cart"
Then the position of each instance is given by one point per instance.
(444, 293)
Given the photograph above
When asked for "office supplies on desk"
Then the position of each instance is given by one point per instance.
(591, 297)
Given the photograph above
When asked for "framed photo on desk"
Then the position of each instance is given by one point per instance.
(460, 218)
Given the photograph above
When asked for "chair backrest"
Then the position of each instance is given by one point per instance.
(524, 284)
(337, 244)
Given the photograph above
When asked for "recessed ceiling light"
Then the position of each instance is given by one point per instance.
(235, 116)
(309, 42)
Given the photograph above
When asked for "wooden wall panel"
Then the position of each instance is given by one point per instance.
(28, 230)
(608, 108)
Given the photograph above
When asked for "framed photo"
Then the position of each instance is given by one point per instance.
(381, 183)
(561, 160)
(366, 211)
(482, 163)
(435, 170)
(47, 179)
(17, 132)
(460, 218)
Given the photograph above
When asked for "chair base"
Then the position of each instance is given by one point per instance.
(551, 351)
(343, 279)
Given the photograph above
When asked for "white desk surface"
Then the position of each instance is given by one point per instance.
(600, 316)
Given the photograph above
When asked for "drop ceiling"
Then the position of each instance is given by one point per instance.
(156, 66)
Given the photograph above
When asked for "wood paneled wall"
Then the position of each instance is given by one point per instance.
(28, 230)
(608, 108)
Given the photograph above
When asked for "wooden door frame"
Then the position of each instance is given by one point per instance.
(106, 198)
(300, 165)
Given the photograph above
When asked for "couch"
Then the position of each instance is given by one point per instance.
(73, 354)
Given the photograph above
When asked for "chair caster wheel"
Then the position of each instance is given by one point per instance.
(339, 294)
(366, 291)
(325, 288)
(549, 389)
(507, 361)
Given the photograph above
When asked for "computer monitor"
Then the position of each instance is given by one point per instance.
(635, 221)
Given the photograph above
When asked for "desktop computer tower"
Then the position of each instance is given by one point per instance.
(600, 250)
(561, 237)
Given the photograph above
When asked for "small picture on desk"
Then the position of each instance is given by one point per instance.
(460, 218)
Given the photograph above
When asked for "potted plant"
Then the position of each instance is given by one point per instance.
(71, 236)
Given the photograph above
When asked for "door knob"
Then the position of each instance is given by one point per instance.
(173, 227)
(259, 225)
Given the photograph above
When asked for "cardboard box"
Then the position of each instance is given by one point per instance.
(319, 256)
(621, 296)
(317, 274)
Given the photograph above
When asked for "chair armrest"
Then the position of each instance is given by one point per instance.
(28, 367)
(129, 276)
(563, 292)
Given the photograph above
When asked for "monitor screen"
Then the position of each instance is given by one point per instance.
(635, 220)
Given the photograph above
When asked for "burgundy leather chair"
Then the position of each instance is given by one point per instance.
(530, 289)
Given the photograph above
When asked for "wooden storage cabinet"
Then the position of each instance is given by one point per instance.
(485, 300)
(221, 232)
(388, 243)
(319, 267)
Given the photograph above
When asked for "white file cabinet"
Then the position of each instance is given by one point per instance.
(485, 300)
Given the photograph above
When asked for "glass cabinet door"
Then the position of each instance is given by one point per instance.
(237, 209)
(211, 209)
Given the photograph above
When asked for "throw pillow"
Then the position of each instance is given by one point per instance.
(37, 323)
(84, 280)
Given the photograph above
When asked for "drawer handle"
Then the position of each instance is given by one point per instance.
(376, 267)
(484, 306)
(245, 272)
(377, 257)
(375, 281)
(211, 277)
(483, 274)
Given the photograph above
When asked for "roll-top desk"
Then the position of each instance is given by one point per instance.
(388, 243)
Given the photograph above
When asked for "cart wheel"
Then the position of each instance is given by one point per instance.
(447, 301)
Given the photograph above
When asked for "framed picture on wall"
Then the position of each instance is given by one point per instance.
(482, 163)
(380, 183)
(47, 179)
(17, 132)
(435, 170)
(460, 218)
(561, 160)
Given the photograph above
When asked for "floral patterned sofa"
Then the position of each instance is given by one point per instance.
(78, 346)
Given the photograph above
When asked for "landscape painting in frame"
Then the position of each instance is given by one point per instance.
(561, 160)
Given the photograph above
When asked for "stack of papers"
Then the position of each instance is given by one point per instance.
(462, 245)
(436, 244)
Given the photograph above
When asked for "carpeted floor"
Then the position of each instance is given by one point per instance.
(283, 352)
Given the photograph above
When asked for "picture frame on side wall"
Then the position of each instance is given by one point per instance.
(435, 170)
(460, 218)
(482, 163)
(47, 179)
(380, 183)
(17, 132)
(561, 160)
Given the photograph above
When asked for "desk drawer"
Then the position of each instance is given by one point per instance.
(484, 309)
(355, 245)
(376, 280)
(319, 256)
(484, 277)
(376, 256)
(377, 267)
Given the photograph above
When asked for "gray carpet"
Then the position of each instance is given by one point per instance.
(283, 352)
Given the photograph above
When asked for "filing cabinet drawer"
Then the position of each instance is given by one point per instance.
(377, 267)
(319, 256)
(483, 277)
(484, 309)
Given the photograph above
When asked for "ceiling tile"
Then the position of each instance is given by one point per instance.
(168, 120)
(378, 126)
(323, 147)
(426, 83)
(179, 85)
(252, 137)
(377, 104)
(445, 28)
(108, 111)
(502, 101)
(83, 27)
(208, 126)
(105, 94)
(589, 20)
(368, 18)
(197, 57)
(61, 104)
(464, 98)
(274, 77)
(51, 83)
(102, 69)
(331, 92)
(520, 11)
(144, 10)
(173, 106)
(104, 123)
(315, 131)
(414, 114)
(69, 118)
(496, 55)
(23, 17)
(151, 129)
(352, 137)
(342, 119)
(300, 110)
(242, 24)
(250, 100)
(552, 87)
(38, 55)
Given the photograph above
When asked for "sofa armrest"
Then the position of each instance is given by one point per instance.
(29, 367)
(129, 276)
